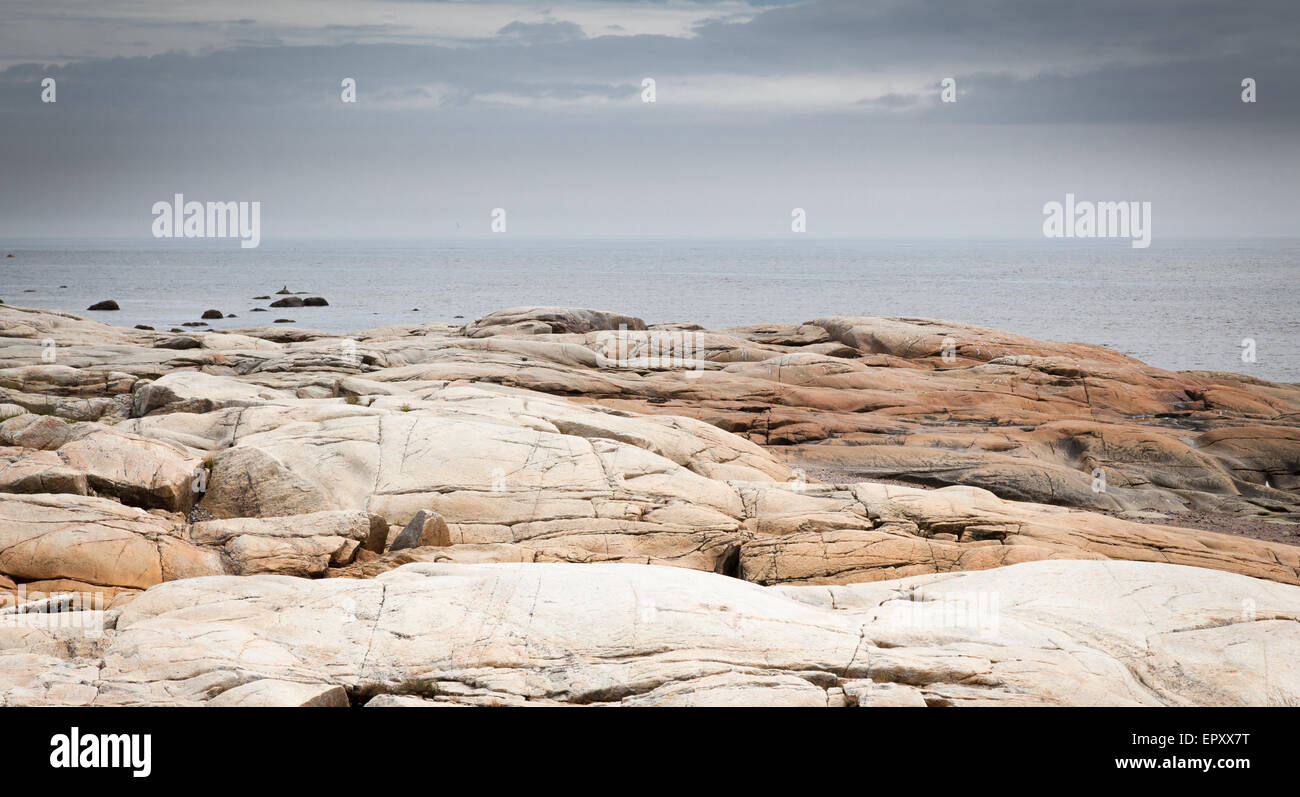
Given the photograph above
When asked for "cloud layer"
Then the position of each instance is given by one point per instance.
(833, 106)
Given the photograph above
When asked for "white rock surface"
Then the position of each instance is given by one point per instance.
(1055, 633)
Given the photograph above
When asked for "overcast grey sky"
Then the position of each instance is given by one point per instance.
(832, 106)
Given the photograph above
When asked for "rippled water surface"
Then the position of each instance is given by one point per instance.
(1179, 305)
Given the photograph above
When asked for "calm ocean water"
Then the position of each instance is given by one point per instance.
(1178, 305)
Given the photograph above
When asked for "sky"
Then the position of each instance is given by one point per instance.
(760, 108)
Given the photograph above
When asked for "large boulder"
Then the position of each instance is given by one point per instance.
(199, 392)
(302, 545)
(95, 540)
(82, 458)
(492, 479)
(27, 471)
(65, 380)
(817, 537)
(557, 319)
(426, 529)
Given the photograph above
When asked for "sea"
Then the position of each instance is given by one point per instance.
(1223, 305)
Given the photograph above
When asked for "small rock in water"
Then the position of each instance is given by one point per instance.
(259, 298)
(107, 304)
(288, 301)
(231, 315)
(284, 291)
(284, 320)
(212, 314)
(258, 310)
(144, 326)
(315, 301)
(194, 324)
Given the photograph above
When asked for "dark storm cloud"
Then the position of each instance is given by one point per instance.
(883, 32)
(832, 106)
(1015, 62)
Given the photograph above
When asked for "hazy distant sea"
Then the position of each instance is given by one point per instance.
(1178, 305)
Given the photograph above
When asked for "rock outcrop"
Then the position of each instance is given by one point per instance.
(1041, 633)
(479, 514)
(93, 459)
(95, 541)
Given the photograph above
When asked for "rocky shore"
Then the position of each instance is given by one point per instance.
(567, 506)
